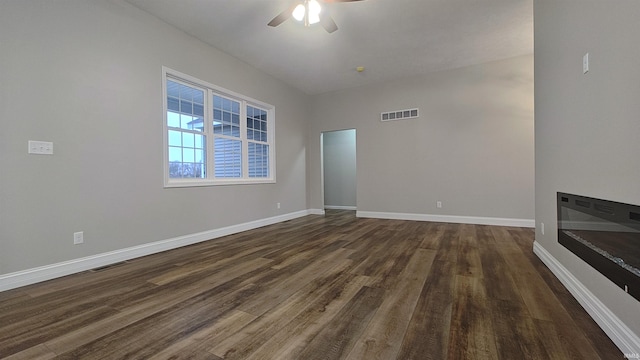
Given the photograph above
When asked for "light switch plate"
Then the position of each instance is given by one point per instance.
(585, 63)
(78, 237)
(40, 147)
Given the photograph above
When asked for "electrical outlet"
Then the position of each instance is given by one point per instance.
(78, 237)
(542, 228)
(278, 205)
(439, 204)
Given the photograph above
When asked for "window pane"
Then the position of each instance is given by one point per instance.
(199, 141)
(186, 93)
(173, 89)
(185, 110)
(198, 97)
(200, 156)
(191, 170)
(258, 160)
(226, 104)
(198, 109)
(188, 101)
(174, 138)
(173, 119)
(186, 170)
(186, 107)
(198, 124)
(173, 104)
(175, 169)
(227, 112)
(175, 154)
(188, 155)
(256, 120)
(192, 123)
(188, 140)
(228, 158)
(185, 121)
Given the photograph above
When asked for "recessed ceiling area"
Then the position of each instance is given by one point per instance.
(391, 38)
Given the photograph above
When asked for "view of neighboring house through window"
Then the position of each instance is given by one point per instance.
(228, 144)
(258, 145)
(185, 123)
(224, 150)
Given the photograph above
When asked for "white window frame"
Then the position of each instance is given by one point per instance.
(210, 90)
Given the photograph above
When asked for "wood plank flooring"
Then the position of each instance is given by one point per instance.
(318, 287)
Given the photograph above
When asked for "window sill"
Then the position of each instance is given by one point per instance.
(191, 183)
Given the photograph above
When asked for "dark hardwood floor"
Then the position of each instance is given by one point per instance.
(318, 287)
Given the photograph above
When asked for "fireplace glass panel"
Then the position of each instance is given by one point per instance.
(605, 234)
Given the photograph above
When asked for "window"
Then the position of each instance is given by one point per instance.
(214, 136)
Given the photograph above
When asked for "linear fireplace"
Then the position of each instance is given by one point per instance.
(605, 234)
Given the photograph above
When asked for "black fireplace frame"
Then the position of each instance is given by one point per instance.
(612, 266)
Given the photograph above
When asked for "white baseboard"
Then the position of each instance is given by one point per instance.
(340, 207)
(449, 219)
(625, 339)
(316, 211)
(48, 272)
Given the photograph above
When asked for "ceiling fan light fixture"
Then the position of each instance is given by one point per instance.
(308, 12)
(314, 11)
(298, 12)
(313, 19)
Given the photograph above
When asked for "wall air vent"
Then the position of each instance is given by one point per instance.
(399, 115)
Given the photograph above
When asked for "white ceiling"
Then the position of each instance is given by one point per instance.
(390, 38)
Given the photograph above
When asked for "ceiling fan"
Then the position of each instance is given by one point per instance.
(310, 12)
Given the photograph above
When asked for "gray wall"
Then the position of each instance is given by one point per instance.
(86, 75)
(471, 147)
(587, 126)
(339, 165)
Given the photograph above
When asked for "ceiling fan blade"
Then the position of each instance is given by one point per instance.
(327, 23)
(282, 17)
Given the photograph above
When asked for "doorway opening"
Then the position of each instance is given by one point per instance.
(339, 169)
